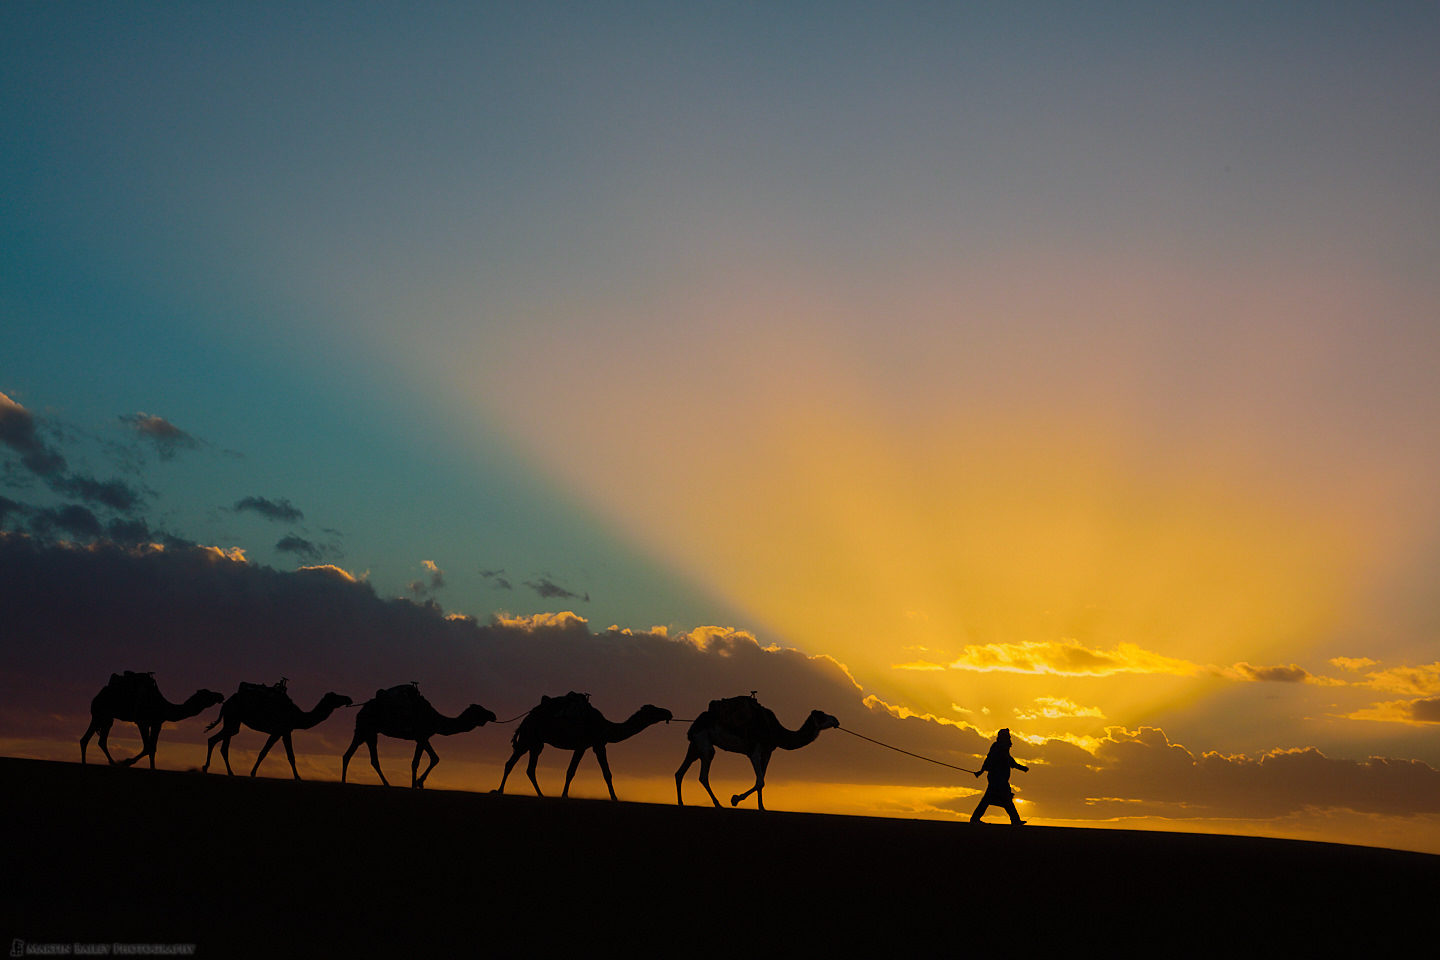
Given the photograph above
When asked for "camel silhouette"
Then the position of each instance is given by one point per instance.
(571, 723)
(402, 712)
(269, 709)
(136, 698)
(742, 725)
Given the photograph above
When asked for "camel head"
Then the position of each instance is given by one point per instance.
(650, 714)
(476, 716)
(333, 701)
(205, 699)
(823, 720)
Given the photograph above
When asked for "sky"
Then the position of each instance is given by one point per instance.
(948, 367)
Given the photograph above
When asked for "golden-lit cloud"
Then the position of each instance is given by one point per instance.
(1057, 708)
(1353, 663)
(331, 570)
(561, 620)
(1422, 680)
(1416, 712)
(1064, 658)
(233, 554)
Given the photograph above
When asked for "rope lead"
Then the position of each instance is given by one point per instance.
(907, 752)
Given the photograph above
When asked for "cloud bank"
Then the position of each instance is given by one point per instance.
(199, 616)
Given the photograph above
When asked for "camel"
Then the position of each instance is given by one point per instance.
(571, 723)
(136, 698)
(742, 725)
(402, 712)
(268, 709)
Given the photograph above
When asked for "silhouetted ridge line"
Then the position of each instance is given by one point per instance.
(907, 752)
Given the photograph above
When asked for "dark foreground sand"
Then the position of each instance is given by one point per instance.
(254, 868)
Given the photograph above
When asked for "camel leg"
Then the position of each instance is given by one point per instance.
(605, 768)
(705, 760)
(434, 759)
(509, 765)
(290, 755)
(104, 742)
(350, 752)
(530, 769)
(691, 755)
(210, 747)
(264, 750)
(152, 740)
(148, 736)
(85, 740)
(130, 761)
(759, 763)
(225, 752)
(102, 727)
(375, 760)
(570, 773)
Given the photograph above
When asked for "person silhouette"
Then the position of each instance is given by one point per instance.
(998, 764)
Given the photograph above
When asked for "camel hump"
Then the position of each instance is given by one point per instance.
(737, 713)
(403, 703)
(572, 706)
(264, 689)
(134, 678)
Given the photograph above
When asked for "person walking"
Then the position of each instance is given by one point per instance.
(998, 764)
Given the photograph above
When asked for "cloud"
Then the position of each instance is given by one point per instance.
(331, 571)
(1057, 708)
(1067, 658)
(1416, 712)
(305, 549)
(1293, 673)
(550, 590)
(74, 520)
(204, 616)
(1422, 680)
(496, 577)
(115, 494)
(1353, 663)
(167, 438)
(282, 510)
(1142, 772)
(18, 432)
(11, 508)
(436, 579)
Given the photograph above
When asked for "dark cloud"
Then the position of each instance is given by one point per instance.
(434, 581)
(1426, 711)
(282, 510)
(496, 578)
(200, 616)
(11, 508)
(115, 494)
(74, 520)
(1276, 674)
(550, 590)
(19, 433)
(299, 546)
(167, 438)
(129, 531)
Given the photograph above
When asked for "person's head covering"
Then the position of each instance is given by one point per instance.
(1003, 735)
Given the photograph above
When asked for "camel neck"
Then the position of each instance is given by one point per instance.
(795, 739)
(615, 732)
(314, 716)
(447, 726)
